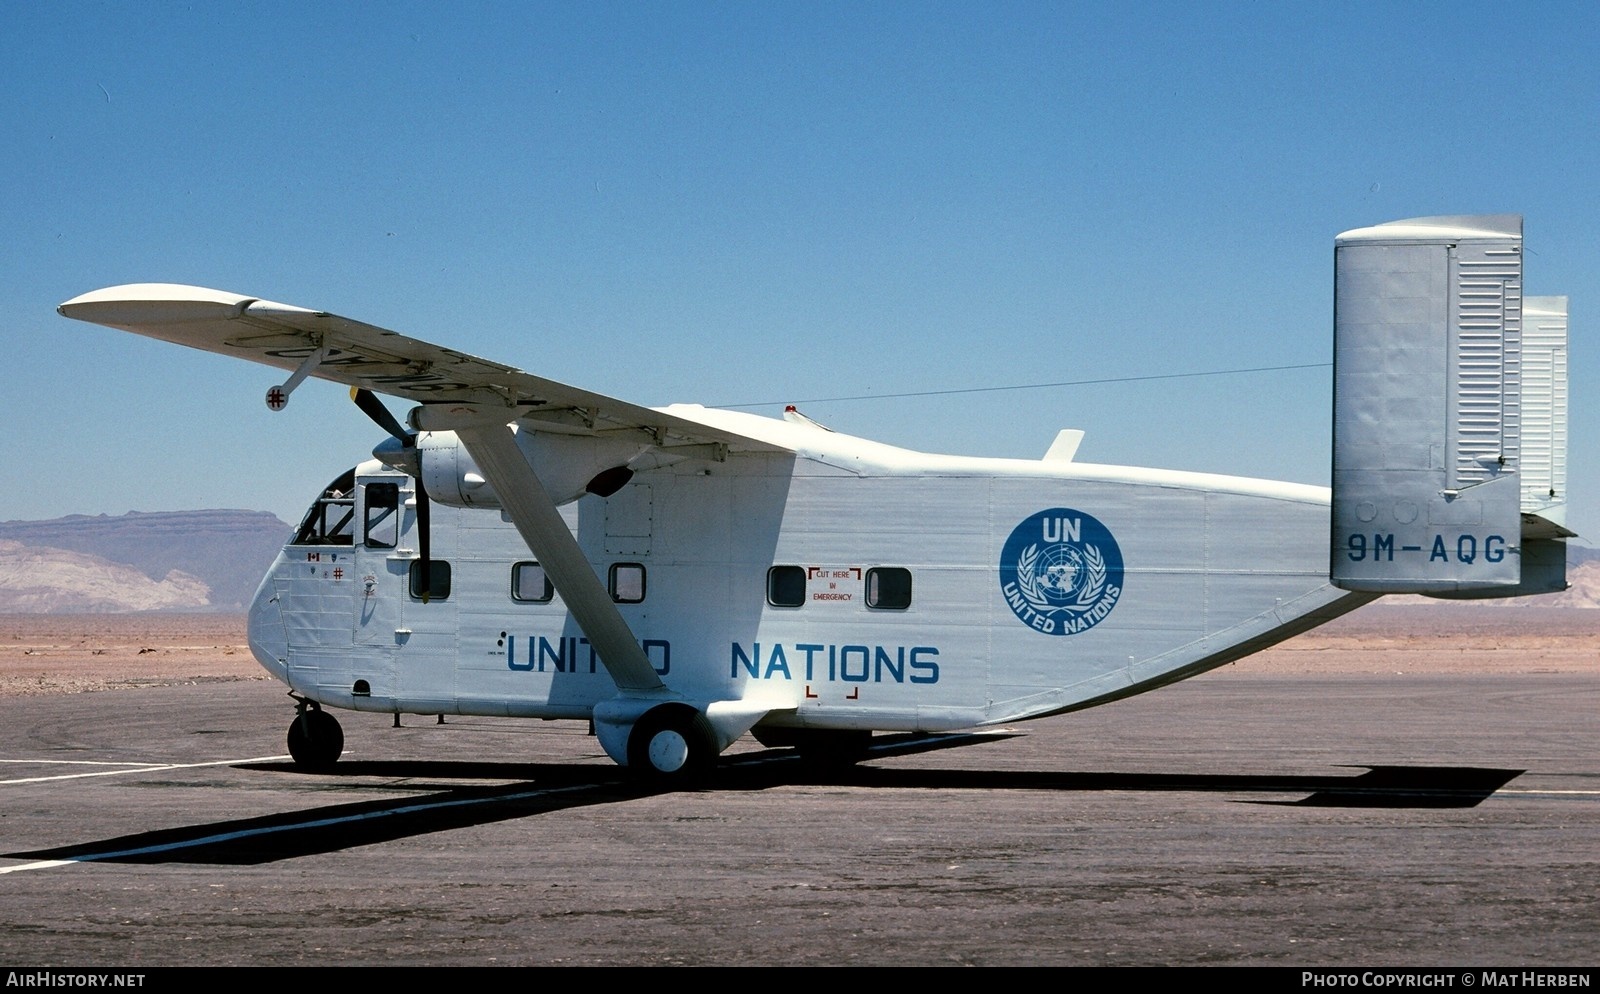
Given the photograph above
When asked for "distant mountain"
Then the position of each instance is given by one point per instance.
(41, 580)
(1578, 554)
(168, 560)
(1583, 588)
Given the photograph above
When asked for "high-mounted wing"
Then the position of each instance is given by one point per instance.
(362, 355)
(479, 401)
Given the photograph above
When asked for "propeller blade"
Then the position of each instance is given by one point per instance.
(374, 409)
(426, 585)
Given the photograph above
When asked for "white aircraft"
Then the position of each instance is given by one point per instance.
(681, 576)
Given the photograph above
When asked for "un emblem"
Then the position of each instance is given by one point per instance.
(1061, 571)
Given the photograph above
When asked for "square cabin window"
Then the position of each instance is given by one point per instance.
(627, 583)
(530, 584)
(438, 579)
(889, 587)
(786, 586)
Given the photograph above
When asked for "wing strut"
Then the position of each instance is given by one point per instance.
(278, 396)
(494, 448)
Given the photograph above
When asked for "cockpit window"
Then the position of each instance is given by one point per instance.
(331, 520)
(382, 520)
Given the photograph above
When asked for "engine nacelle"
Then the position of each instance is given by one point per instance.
(568, 465)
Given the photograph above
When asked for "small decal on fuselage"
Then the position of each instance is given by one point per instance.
(1061, 571)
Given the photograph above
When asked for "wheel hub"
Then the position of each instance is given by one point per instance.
(669, 751)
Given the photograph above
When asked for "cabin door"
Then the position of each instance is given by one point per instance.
(380, 570)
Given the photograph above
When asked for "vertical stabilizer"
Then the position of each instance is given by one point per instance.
(1428, 415)
(1544, 408)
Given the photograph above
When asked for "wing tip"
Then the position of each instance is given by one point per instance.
(153, 303)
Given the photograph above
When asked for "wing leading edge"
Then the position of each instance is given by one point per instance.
(376, 359)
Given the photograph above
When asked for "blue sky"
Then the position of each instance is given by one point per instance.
(762, 203)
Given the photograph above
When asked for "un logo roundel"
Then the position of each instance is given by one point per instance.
(1061, 571)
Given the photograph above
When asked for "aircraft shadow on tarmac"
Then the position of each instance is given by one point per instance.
(442, 803)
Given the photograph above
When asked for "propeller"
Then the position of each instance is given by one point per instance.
(409, 459)
(374, 409)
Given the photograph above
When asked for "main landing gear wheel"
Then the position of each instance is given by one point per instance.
(315, 738)
(671, 744)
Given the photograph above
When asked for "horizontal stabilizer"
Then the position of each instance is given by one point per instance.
(1439, 442)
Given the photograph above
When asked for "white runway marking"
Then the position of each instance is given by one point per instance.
(320, 823)
(121, 768)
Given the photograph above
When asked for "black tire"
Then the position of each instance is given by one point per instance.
(315, 739)
(671, 744)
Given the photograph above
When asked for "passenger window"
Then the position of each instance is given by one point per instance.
(627, 583)
(438, 579)
(382, 525)
(889, 587)
(529, 583)
(786, 586)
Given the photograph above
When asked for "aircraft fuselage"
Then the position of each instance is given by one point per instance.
(851, 586)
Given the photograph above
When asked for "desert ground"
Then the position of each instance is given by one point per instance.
(155, 821)
(76, 653)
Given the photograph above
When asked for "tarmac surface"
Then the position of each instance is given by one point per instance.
(1236, 819)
